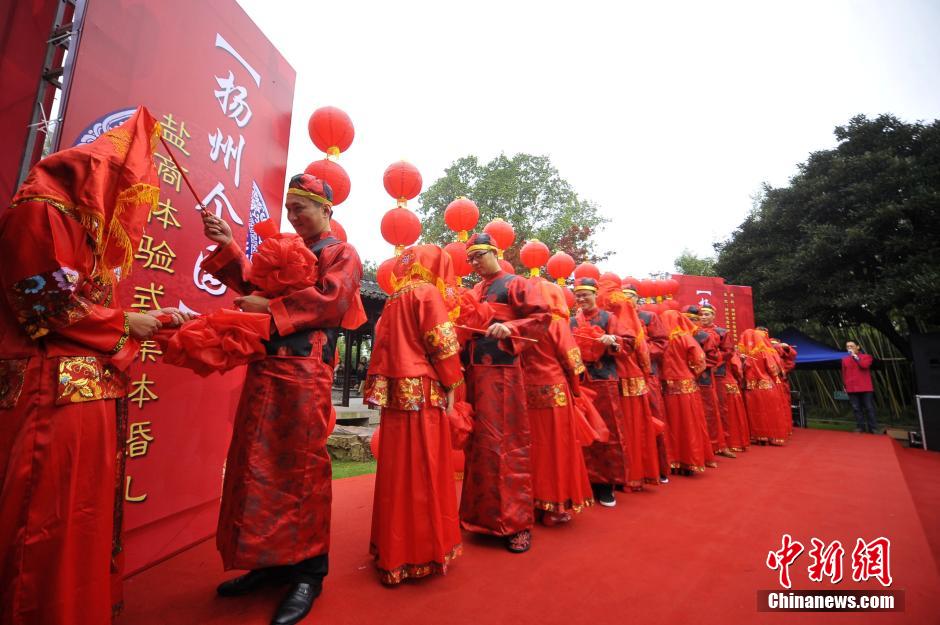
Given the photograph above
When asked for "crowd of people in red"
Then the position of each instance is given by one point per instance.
(554, 408)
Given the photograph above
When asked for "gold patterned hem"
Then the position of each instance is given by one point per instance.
(681, 387)
(568, 506)
(403, 393)
(738, 449)
(542, 396)
(415, 571)
(763, 385)
(124, 336)
(686, 467)
(633, 387)
(441, 341)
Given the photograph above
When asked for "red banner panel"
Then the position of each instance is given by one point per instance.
(224, 95)
(27, 25)
(734, 305)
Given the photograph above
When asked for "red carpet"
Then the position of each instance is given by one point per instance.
(922, 472)
(692, 551)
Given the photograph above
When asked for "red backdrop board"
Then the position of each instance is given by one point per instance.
(27, 25)
(734, 306)
(224, 96)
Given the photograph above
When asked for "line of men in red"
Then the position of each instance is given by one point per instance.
(568, 407)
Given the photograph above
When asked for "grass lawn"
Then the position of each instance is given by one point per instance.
(845, 426)
(348, 468)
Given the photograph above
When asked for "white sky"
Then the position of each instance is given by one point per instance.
(668, 115)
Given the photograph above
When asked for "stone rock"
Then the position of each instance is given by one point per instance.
(350, 443)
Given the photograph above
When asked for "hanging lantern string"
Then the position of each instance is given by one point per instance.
(182, 173)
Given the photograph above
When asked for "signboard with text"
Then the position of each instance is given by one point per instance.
(734, 305)
(224, 95)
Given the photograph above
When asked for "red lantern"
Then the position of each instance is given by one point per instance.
(338, 231)
(502, 233)
(587, 270)
(672, 285)
(334, 175)
(402, 180)
(458, 254)
(534, 254)
(643, 288)
(401, 228)
(383, 275)
(569, 297)
(610, 276)
(460, 216)
(506, 266)
(560, 266)
(331, 130)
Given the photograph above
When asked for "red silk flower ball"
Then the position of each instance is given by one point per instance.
(458, 254)
(400, 227)
(534, 254)
(283, 264)
(502, 232)
(461, 215)
(587, 270)
(331, 130)
(334, 175)
(402, 181)
(383, 275)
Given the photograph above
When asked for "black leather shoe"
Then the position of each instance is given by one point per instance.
(249, 582)
(296, 604)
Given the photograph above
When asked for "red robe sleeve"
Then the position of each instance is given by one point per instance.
(695, 357)
(325, 304)
(726, 348)
(566, 348)
(47, 283)
(531, 310)
(440, 341)
(712, 348)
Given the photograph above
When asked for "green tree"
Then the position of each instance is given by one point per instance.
(691, 265)
(853, 239)
(369, 267)
(525, 190)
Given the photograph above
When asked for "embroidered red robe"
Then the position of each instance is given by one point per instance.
(559, 477)
(497, 495)
(686, 433)
(415, 360)
(63, 344)
(607, 462)
(277, 489)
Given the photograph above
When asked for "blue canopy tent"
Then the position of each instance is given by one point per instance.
(810, 353)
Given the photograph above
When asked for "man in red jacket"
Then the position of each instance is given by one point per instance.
(856, 376)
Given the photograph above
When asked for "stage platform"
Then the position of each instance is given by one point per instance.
(692, 551)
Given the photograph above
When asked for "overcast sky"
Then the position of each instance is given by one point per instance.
(668, 115)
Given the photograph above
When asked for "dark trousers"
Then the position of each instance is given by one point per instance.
(309, 571)
(863, 405)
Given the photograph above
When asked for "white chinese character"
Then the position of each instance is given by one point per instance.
(218, 196)
(225, 146)
(232, 99)
(204, 280)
